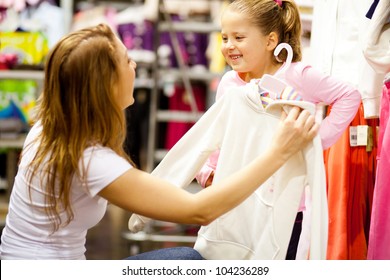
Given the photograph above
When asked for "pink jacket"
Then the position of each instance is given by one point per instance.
(378, 247)
(313, 86)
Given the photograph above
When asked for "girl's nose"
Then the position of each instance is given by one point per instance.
(229, 45)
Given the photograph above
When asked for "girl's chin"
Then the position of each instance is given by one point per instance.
(237, 68)
(130, 103)
(234, 66)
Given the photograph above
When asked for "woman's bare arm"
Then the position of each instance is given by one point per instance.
(141, 193)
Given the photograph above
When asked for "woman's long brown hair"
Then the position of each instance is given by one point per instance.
(77, 109)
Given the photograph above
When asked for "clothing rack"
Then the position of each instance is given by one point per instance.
(165, 23)
(158, 231)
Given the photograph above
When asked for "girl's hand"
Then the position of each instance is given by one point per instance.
(209, 180)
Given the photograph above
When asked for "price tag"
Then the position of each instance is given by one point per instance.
(362, 135)
(353, 136)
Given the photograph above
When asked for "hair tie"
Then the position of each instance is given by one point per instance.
(279, 2)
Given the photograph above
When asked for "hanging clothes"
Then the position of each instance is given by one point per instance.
(339, 35)
(376, 45)
(179, 101)
(379, 241)
(377, 52)
(350, 175)
(338, 32)
(260, 227)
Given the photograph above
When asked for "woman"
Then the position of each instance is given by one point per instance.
(73, 161)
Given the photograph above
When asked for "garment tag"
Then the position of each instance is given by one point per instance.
(353, 136)
(362, 135)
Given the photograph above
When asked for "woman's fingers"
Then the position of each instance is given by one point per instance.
(298, 127)
(308, 123)
(303, 120)
(293, 113)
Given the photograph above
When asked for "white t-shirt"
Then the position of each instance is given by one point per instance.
(28, 231)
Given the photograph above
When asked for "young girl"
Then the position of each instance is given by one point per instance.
(251, 30)
(73, 161)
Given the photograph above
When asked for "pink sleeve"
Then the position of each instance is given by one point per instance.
(320, 88)
(208, 167)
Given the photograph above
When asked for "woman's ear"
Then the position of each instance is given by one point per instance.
(272, 41)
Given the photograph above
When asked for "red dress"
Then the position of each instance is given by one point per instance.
(350, 175)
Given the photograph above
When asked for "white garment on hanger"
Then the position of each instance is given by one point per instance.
(260, 227)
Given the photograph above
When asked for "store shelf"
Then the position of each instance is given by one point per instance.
(13, 143)
(39, 76)
(22, 74)
(200, 27)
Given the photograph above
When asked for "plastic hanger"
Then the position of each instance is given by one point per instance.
(276, 86)
(272, 83)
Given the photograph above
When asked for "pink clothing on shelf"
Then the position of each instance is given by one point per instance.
(379, 238)
(179, 101)
(313, 86)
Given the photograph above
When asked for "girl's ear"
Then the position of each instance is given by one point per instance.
(272, 41)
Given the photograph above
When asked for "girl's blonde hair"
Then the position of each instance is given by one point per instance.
(269, 17)
(77, 109)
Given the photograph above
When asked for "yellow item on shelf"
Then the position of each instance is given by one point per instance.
(30, 47)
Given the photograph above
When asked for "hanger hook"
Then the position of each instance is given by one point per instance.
(289, 50)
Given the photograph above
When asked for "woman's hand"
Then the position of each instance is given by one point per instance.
(295, 131)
